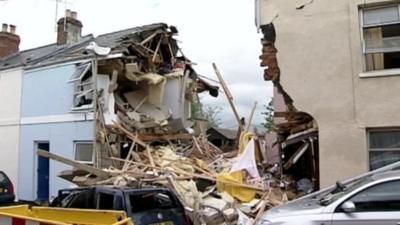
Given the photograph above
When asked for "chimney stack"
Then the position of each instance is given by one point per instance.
(9, 41)
(69, 28)
(4, 28)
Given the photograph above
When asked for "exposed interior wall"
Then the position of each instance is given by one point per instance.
(320, 57)
(10, 90)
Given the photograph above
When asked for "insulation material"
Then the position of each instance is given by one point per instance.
(156, 92)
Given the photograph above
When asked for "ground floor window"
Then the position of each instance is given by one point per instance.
(384, 147)
(84, 152)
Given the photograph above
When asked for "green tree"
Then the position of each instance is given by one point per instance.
(268, 114)
(206, 112)
(211, 114)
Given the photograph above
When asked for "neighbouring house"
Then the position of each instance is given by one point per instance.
(222, 138)
(73, 97)
(335, 66)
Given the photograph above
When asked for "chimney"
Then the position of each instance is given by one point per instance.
(9, 40)
(69, 28)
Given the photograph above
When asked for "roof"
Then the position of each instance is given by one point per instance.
(229, 134)
(53, 53)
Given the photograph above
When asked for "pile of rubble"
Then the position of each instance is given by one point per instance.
(215, 187)
(146, 134)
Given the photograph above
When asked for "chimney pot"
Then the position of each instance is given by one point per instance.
(74, 15)
(4, 27)
(13, 28)
(68, 13)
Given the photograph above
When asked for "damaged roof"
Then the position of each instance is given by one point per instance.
(228, 134)
(53, 53)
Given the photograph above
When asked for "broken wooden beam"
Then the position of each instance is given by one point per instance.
(81, 166)
(228, 96)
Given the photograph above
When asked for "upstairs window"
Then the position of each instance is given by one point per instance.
(381, 31)
(83, 88)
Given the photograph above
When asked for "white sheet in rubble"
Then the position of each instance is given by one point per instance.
(98, 49)
(247, 161)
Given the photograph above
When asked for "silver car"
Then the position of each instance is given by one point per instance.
(370, 199)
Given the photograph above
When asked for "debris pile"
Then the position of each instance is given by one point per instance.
(141, 88)
(215, 187)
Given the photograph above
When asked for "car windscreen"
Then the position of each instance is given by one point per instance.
(151, 201)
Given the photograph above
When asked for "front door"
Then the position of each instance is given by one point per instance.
(42, 192)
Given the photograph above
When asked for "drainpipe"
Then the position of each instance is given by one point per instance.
(96, 149)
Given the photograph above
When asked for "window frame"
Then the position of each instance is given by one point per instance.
(376, 72)
(379, 149)
(75, 151)
(338, 208)
(86, 67)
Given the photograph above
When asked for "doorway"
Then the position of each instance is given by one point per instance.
(43, 169)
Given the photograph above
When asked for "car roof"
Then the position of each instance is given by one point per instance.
(386, 175)
(122, 188)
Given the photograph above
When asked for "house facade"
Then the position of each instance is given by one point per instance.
(339, 62)
(10, 90)
(48, 123)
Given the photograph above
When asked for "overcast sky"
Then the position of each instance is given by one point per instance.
(220, 31)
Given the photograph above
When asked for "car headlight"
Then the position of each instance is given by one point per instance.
(263, 222)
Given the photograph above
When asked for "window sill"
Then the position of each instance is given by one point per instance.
(380, 73)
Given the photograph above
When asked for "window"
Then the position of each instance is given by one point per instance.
(80, 71)
(151, 201)
(381, 30)
(84, 152)
(105, 201)
(384, 147)
(83, 87)
(381, 197)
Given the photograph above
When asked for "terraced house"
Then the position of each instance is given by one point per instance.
(337, 62)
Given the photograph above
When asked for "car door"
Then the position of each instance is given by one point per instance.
(375, 205)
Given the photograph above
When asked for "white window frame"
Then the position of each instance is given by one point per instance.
(75, 151)
(375, 73)
(79, 85)
(379, 149)
(86, 66)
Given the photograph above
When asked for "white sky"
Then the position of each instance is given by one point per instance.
(220, 31)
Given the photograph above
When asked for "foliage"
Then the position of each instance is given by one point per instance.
(207, 112)
(268, 114)
(211, 114)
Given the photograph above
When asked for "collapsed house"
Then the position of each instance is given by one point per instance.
(75, 96)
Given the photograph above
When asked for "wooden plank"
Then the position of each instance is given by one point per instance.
(150, 37)
(157, 49)
(81, 166)
(251, 116)
(228, 96)
(195, 175)
(147, 137)
(130, 135)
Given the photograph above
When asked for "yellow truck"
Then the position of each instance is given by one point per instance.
(25, 215)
